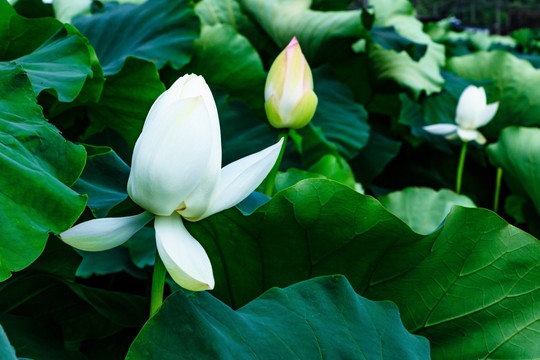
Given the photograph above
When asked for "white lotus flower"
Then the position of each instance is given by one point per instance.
(472, 113)
(176, 173)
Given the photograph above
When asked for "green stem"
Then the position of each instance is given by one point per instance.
(461, 165)
(497, 189)
(271, 178)
(158, 284)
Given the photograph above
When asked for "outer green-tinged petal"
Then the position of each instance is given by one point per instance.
(106, 233)
(471, 102)
(65, 10)
(441, 129)
(167, 158)
(272, 113)
(304, 110)
(487, 114)
(467, 135)
(183, 256)
(241, 178)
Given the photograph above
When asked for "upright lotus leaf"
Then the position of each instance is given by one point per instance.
(29, 33)
(229, 12)
(417, 76)
(159, 31)
(316, 31)
(342, 120)
(215, 12)
(226, 58)
(516, 153)
(126, 99)
(423, 209)
(470, 287)
(388, 38)
(60, 61)
(61, 64)
(104, 180)
(507, 79)
(38, 166)
(316, 319)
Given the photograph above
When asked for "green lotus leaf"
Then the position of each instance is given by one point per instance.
(516, 153)
(417, 76)
(318, 32)
(423, 209)
(38, 166)
(470, 287)
(226, 58)
(317, 318)
(7, 351)
(126, 100)
(104, 180)
(159, 31)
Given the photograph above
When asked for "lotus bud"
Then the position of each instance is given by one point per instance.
(289, 98)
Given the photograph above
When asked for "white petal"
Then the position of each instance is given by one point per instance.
(182, 255)
(171, 156)
(105, 233)
(65, 10)
(467, 135)
(441, 129)
(471, 102)
(197, 203)
(481, 139)
(487, 114)
(241, 178)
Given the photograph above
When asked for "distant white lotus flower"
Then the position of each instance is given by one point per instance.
(472, 113)
(176, 173)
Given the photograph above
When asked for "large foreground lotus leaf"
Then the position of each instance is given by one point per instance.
(470, 287)
(38, 166)
(418, 76)
(159, 31)
(316, 319)
(509, 80)
(317, 31)
(423, 209)
(516, 153)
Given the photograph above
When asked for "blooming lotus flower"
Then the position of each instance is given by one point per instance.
(472, 112)
(289, 98)
(176, 174)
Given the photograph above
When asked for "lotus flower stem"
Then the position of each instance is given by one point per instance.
(158, 285)
(497, 194)
(461, 165)
(271, 179)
